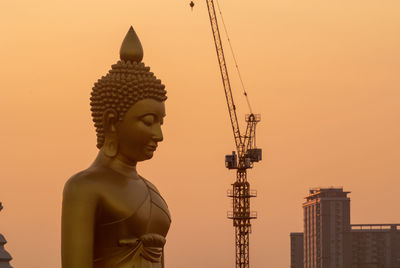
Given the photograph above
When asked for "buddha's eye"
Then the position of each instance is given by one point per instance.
(148, 120)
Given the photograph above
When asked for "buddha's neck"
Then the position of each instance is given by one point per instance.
(117, 165)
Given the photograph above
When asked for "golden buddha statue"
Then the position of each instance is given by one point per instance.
(111, 216)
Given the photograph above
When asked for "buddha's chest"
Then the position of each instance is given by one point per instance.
(134, 208)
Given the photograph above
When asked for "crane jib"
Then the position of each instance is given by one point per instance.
(224, 74)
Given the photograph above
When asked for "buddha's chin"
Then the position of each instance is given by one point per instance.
(148, 154)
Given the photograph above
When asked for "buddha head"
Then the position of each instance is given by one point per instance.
(127, 106)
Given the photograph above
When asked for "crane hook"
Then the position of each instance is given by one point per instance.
(191, 5)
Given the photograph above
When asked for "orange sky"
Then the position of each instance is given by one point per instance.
(323, 74)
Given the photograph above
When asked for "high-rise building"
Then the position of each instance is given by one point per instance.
(330, 241)
(326, 219)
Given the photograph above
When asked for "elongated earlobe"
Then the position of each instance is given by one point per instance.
(110, 146)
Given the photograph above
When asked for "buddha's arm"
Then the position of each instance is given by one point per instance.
(78, 219)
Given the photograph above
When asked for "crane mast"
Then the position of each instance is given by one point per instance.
(247, 154)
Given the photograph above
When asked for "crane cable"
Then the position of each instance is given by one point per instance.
(234, 58)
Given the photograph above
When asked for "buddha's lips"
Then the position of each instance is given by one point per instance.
(151, 147)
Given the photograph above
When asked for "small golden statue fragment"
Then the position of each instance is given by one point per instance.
(111, 216)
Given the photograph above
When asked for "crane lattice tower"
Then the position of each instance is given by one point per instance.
(247, 154)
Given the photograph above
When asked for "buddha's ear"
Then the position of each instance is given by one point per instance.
(110, 118)
(110, 146)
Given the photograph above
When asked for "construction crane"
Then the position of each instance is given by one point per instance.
(246, 154)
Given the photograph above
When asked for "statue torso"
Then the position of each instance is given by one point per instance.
(132, 220)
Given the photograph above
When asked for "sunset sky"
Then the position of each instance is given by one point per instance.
(324, 75)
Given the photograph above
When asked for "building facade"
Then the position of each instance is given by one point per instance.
(296, 250)
(375, 245)
(330, 241)
(326, 219)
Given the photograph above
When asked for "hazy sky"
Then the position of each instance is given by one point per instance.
(324, 75)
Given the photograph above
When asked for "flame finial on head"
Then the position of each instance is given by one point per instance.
(131, 48)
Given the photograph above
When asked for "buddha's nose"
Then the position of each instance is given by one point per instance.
(157, 133)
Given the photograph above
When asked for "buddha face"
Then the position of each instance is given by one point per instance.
(140, 131)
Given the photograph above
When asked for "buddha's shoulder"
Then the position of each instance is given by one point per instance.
(86, 181)
(150, 185)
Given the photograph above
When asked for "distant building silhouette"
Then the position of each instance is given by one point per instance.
(375, 245)
(5, 257)
(329, 240)
(296, 250)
